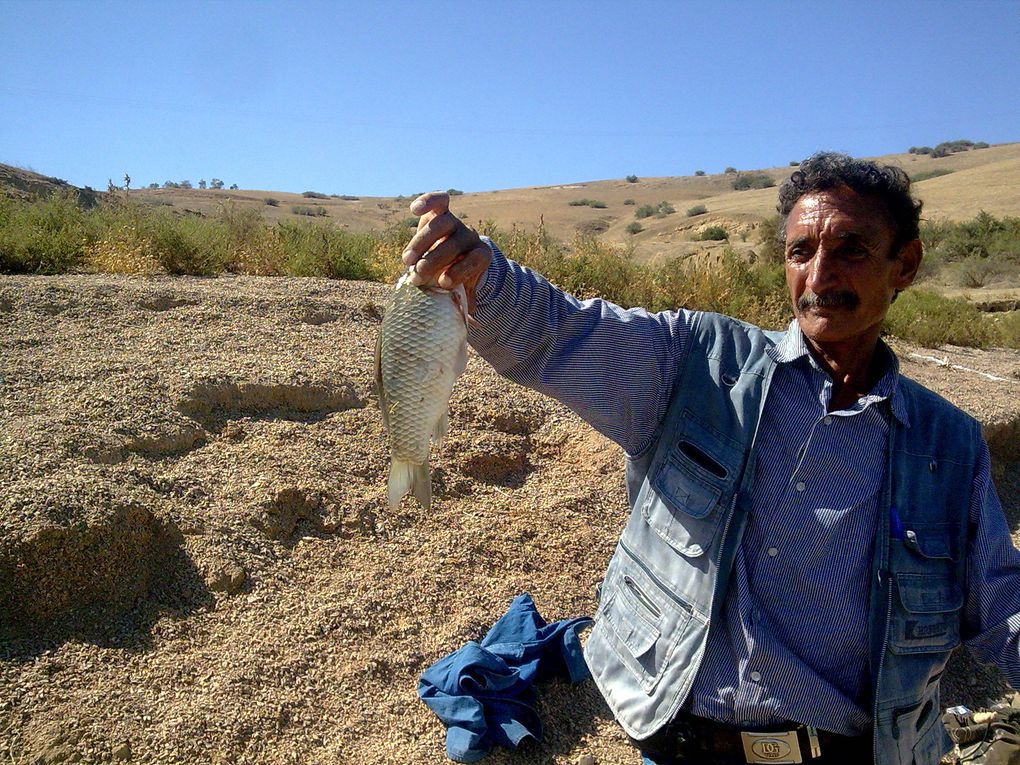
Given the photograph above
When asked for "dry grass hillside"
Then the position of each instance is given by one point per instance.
(982, 179)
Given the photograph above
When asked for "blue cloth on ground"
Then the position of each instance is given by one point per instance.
(483, 691)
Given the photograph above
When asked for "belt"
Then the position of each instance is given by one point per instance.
(697, 739)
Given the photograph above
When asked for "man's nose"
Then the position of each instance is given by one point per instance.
(822, 272)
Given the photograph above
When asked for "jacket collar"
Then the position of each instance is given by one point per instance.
(793, 347)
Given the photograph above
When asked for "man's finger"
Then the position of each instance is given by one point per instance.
(437, 202)
(434, 230)
(466, 270)
(460, 241)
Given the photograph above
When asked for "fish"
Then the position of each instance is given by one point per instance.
(421, 350)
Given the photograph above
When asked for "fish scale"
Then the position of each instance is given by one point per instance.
(422, 349)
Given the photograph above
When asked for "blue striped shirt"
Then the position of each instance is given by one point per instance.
(792, 641)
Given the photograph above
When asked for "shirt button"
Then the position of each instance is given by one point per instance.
(773, 552)
(756, 676)
(800, 486)
(827, 419)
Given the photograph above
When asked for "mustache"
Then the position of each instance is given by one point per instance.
(838, 299)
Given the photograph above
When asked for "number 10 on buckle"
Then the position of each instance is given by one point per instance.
(777, 748)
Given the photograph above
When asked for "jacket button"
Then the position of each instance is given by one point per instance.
(694, 550)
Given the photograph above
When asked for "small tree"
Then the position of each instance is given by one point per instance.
(153, 185)
(202, 184)
(127, 181)
(696, 210)
(185, 184)
(233, 186)
(216, 183)
(632, 179)
(634, 228)
(730, 170)
(699, 173)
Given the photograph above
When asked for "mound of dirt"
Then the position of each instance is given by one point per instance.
(197, 562)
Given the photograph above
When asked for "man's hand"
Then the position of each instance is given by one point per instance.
(444, 251)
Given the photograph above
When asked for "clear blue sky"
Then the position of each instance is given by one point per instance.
(386, 98)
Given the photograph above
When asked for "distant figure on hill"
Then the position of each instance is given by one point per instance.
(811, 533)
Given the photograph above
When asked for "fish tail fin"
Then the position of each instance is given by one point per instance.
(408, 477)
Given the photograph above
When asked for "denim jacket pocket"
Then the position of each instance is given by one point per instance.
(926, 617)
(698, 473)
(645, 622)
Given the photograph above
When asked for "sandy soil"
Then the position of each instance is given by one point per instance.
(196, 559)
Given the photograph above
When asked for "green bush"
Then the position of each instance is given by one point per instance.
(272, 202)
(635, 228)
(632, 179)
(931, 320)
(587, 203)
(454, 192)
(924, 175)
(644, 211)
(696, 210)
(313, 211)
(314, 195)
(699, 173)
(745, 181)
(663, 209)
(713, 234)
(46, 236)
(629, 201)
(730, 170)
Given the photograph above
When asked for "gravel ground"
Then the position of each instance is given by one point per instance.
(196, 559)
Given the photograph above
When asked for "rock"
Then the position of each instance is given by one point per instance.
(122, 751)
(586, 759)
(226, 577)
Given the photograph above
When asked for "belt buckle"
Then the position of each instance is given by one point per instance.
(778, 748)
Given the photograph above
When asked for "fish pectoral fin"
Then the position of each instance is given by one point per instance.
(441, 429)
(380, 390)
(462, 356)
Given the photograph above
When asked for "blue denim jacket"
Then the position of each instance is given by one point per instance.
(689, 495)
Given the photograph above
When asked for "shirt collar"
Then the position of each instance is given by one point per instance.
(793, 347)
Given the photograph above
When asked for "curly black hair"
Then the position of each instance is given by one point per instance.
(828, 169)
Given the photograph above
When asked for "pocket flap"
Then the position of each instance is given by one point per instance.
(930, 541)
(925, 594)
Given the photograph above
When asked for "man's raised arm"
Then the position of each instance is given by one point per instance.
(615, 367)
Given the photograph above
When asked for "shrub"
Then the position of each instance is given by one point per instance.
(745, 181)
(635, 228)
(699, 173)
(663, 209)
(454, 192)
(348, 198)
(981, 145)
(272, 202)
(772, 244)
(632, 179)
(713, 234)
(628, 201)
(924, 150)
(310, 210)
(730, 170)
(696, 210)
(587, 203)
(931, 320)
(644, 211)
(924, 175)
(44, 236)
(314, 195)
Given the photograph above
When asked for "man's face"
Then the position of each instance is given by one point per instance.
(839, 265)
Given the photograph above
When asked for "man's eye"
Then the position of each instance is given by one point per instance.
(797, 254)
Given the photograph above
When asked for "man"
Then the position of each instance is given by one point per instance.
(811, 533)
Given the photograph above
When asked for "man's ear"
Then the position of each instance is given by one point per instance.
(909, 257)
